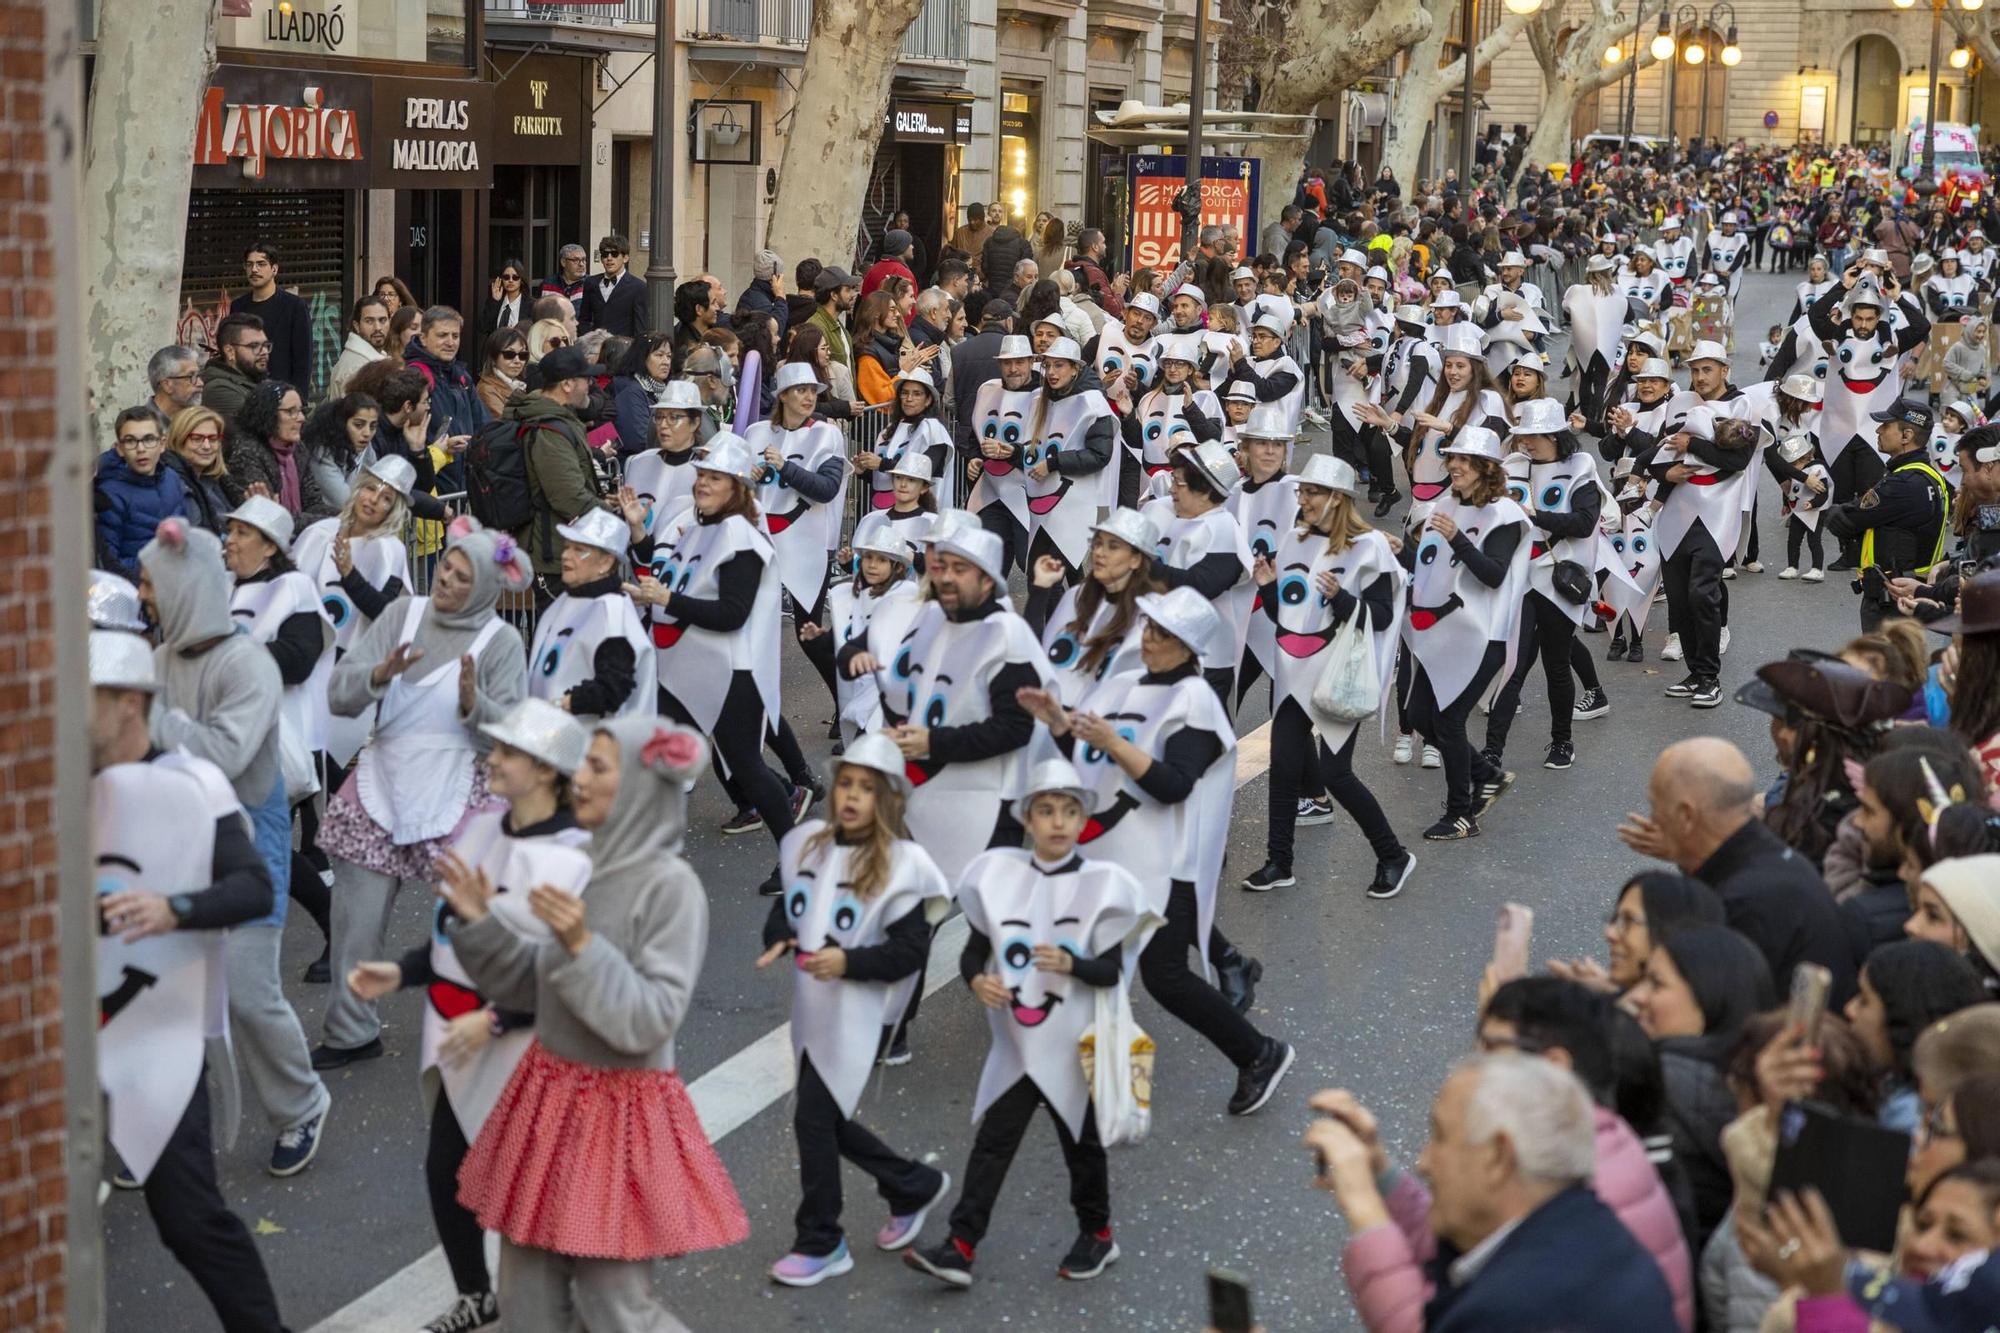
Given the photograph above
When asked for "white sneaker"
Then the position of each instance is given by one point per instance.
(1405, 747)
(1754, 567)
(1728, 572)
(1814, 575)
(1672, 652)
(1432, 759)
(1723, 645)
(1789, 572)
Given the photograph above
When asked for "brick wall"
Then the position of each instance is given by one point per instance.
(32, 1167)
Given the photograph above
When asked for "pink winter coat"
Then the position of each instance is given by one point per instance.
(1384, 1265)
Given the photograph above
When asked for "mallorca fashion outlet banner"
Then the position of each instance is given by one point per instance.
(1228, 199)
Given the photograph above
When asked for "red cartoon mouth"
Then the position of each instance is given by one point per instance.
(666, 636)
(1103, 822)
(1155, 469)
(996, 466)
(883, 499)
(1033, 1016)
(1704, 479)
(1426, 617)
(779, 522)
(801, 959)
(1039, 505)
(916, 773)
(1427, 490)
(1305, 645)
(1861, 387)
(1536, 550)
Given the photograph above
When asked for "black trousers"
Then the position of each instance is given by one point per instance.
(825, 1136)
(197, 1227)
(458, 1229)
(819, 650)
(997, 519)
(1442, 723)
(1295, 751)
(1797, 532)
(1041, 544)
(1184, 993)
(1548, 632)
(1695, 606)
(999, 1138)
(1854, 473)
(739, 746)
(1223, 681)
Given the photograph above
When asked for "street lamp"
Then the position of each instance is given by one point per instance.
(1468, 15)
(1698, 54)
(1926, 184)
(1961, 57)
(1617, 53)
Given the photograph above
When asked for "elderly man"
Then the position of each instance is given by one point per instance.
(175, 376)
(766, 293)
(1703, 820)
(1026, 272)
(1521, 1242)
(572, 264)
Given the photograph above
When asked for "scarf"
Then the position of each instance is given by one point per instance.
(654, 388)
(288, 476)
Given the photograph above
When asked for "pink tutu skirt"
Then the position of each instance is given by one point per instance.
(349, 832)
(599, 1164)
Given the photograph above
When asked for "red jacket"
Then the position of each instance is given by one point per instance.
(883, 268)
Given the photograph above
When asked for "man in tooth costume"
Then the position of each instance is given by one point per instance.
(1673, 252)
(218, 700)
(999, 426)
(854, 608)
(1728, 253)
(1071, 458)
(1864, 372)
(1126, 354)
(174, 867)
(590, 641)
(949, 688)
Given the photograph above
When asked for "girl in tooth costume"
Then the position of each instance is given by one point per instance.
(859, 903)
(661, 479)
(592, 654)
(712, 601)
(1469, 572)
(1803, 503)
(470, 1047)
(1266, 507)
(1090, 629)
(1148, 431)
(1950, 297)
(1328, 568)
(593, 1163)
(1048, 928)
(1819, 278)
(884, 589)
(1203, 547)
(913, 505)
(917, 430)
(1000, 422)
(1071, 458)
(1465, 396)
(1154, 748)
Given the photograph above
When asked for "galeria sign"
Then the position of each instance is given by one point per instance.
(258, 133)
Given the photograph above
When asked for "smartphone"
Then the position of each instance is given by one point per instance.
(1510, 941)
(444, 428)
(1228, 1302)
(1810, 984)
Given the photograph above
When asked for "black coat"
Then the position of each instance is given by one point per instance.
(623, 315)
(1906, 511)
(288, 324)
(1775, 898)
(1005, 248)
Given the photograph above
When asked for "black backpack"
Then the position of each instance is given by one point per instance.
(496, 475)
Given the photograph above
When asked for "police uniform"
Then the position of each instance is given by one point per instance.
(1903, 521)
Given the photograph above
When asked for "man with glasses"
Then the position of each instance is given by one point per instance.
(614, 301)
(175, 374)
(709, 371)
(133, 492)
(241, 362)
(367, 342)
(287, 323)
(573, 261)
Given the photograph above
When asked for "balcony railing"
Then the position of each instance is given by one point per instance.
(938, 34)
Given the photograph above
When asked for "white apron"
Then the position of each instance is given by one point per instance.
(802, 532)
(261, 608)
(1452, 615)
(414, 776)
(1305, 623)
(1002, 416)
(378, 560)
(565, 648)
(1063, 506)
(696, 665)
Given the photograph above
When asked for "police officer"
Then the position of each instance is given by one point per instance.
(1904, 519)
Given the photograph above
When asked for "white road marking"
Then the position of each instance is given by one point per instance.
(727, 1098)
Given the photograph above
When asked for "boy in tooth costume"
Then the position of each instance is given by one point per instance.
(1209, 552)
(1729, 253)
(855, 606)
(802, 530)
(925, 437)
(1001, 420)
(1803, 506)
(1236, 407)
(1048, 928)
(1157, 413)
(168, 835)
(591, 642)
(838, 1020)
(1064, 647)
(263, 606)
(1944, 440)
(1071, 461)
(379, 574)
(663, 482)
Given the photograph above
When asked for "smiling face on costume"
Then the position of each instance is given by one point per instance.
(596, 783)
(451, 586)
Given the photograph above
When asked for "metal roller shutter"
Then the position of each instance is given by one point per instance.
(310, 230)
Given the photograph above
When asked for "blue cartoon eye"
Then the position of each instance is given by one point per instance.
(338, 609)
(1292, 589)
(1113, 364)
(664, 568)
(1093, 755)
(1063, 651)
(846, 911)
(991, 429)
(1517, 491)
(1846, 354)
(1011, 433)
(687, 575)
(1017, 954)
(1050, 444)
(904, 665)
(1427, 554)
(1032, 456)
(1618, 544)
(550, 660)
(1640, 545)
(1552, 495)
(1262, 545)
(934, 711)
(1154, 429)
(795, 902)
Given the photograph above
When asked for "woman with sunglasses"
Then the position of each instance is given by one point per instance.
(544, 336)
(503, 368)
(508, 304)
(638, 377)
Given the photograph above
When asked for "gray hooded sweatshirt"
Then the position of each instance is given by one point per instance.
(619, 1003)
(219, 688)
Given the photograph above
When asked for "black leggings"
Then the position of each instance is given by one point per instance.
(818, 650)
(1548, 632)
(739, 748)
(1443, 725)
(1297, 751)
(1797, 532)
(1163, 966)
(458, 1229)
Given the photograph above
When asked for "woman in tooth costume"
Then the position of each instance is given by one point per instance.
(1071, 458)
(1673, 251)
(661, 479)
(883, 590)
(1642, 280)
(1154, 748)
(999, 423)
(856, 914)
(1090, 629)
(593, 1163)
(1949, 295)
(1465, 396)
(712, 596)
(470, 1047)
(1266, 507)
(1204, 548)
(433, 670)
(1595, 311)
(1327, 569)
(1148, 431)
(916, 431)
(1469, 572)
(591, 642)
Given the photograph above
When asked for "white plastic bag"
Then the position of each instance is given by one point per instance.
(1349, 687)
(1121, 1086)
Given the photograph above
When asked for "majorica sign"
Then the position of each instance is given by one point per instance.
(257, 133)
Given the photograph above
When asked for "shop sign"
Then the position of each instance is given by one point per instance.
(433, 134)
(538, 115)
(304, 127)
(929, 122)
(1228, 199)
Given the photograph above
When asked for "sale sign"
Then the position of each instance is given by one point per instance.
(1228, 199)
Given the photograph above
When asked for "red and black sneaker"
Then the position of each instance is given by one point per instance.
(949, 1261)
(1091, 1255)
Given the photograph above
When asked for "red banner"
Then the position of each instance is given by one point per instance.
(1228, 199)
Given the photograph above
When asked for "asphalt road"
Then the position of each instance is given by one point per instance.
(1376, 996)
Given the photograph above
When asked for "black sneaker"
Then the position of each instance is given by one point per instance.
(1616, 652)
(470, 1311)
(337, 1057)
(1593, 702)
(1387, 502)
(949, 1261)
(296, 1147)
(1272, 876)
(802, 801)
(1638, 651)
(1090, 1256)
(1390, 876)
(1707, 694)
(773, 884)
(1236, 978)
(1488, 794)
(1491, 754)
(320, 970)
(1683, 687)
(1314, 810)
(1256, 1081)
(745, 820)
(1561, 755)
(1451, 828)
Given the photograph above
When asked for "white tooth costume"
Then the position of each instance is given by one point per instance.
(1265, 512)
(1673, 257)
(1065, 649)
(664, 487)
(696, 665)
(1190, 540)
(1305, 624)
(1159, 412)
(1003, 416)
(1428, 478)
(379, 560)
(1596, 325)
(1452, 616)
(1649, 290)
(303, 717)
(1864, 375)
(1554, 487)
(1117, 354)
(1061, 505)
(929, 438)
(839, 1022)
(1720, 503)
(567, 636)
(1729, 255)
(802, 531)
(1635, 580)
(851, 615)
